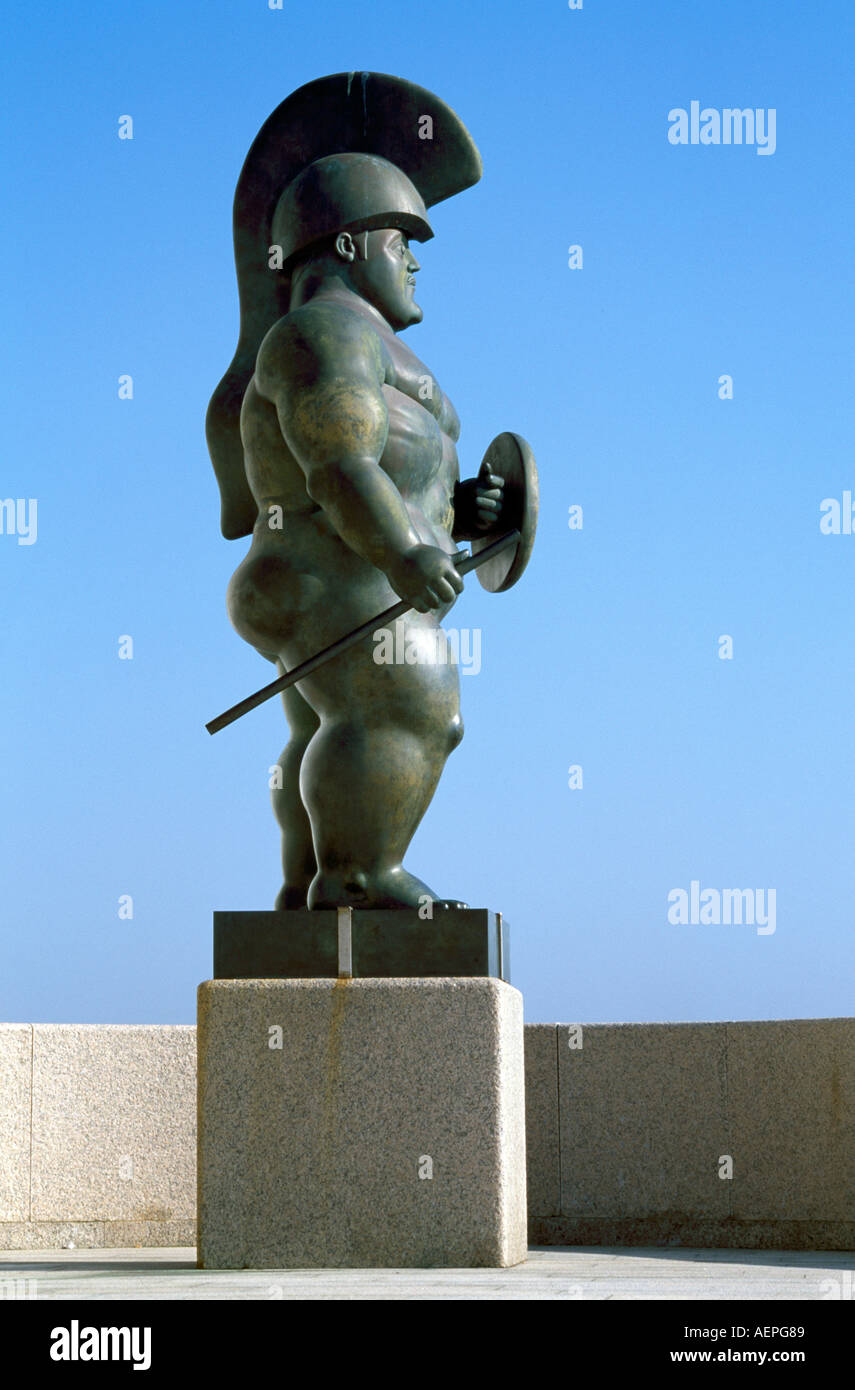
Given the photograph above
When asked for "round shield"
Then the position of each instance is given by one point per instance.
(510, 458)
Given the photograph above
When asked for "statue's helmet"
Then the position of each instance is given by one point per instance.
(350, 192)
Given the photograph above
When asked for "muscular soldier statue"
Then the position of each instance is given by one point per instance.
(349, 456)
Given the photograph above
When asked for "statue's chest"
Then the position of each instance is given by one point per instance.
(412, 378)
(420, 454)
(408, 375)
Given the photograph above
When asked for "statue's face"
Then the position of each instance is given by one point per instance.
(386, 275)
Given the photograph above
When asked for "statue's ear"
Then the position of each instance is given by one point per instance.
(345, 247)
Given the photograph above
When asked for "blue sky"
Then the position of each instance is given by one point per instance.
(701, 515)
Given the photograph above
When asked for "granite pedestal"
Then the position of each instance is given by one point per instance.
(361, 1123)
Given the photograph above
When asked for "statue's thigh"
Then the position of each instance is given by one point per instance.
(402, 676)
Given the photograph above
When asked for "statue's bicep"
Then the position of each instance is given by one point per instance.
(325, 378)
(335, 421)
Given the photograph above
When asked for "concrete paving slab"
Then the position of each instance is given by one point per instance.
(557, 1274)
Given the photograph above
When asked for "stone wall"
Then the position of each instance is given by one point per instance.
(97, 1135)
(700, 1134)
(632, 1130)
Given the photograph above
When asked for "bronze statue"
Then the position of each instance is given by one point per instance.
(335, 447)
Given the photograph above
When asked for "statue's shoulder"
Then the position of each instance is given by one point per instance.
(329, 332)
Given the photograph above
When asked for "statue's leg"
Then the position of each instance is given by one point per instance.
(369, 772)
(298, 855)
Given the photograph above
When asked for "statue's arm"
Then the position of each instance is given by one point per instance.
(323, 371)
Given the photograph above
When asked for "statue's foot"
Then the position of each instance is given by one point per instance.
(289, 899)
(394, 888)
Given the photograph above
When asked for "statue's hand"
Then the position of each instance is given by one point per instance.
(477, 503)
(425, 576)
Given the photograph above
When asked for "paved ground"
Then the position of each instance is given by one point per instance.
(549, 1273)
